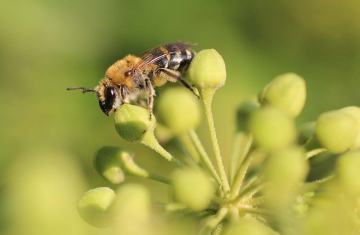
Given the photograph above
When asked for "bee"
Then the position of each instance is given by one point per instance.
(135, 77)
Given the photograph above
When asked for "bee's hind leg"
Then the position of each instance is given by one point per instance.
(177, 76)
(141, 103)
(151, 92)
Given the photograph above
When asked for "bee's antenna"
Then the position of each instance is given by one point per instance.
(83, 89)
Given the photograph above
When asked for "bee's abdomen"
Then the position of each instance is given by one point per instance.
(179, 60)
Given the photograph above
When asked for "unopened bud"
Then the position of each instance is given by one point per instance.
(93, 207)
(286, 92)
(132, 122)
(193, 188)
(272, 129)
(336, 131)
(108, 163)
(285, 170)
(348, 168)
(179, 110)
(207, 69)
(355, 112)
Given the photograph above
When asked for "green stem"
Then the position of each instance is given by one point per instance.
(239, 178)
(257, 211)
(204, 156)
(314, 152)
(150, 141)
(131, 168)
(213, 222)
(236, 149)
(206, 96)
(256, 201)
(241, 145)
(248, 193)
(159, 178)
(217, 230)
(186, 140)
(174, 207)
(245, 151)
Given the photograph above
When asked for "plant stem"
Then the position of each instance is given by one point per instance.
(314, 152)
(245, 151)
(236, 149)
(258, 211)
(206, 96)
(174, 207)
(204, 156)
(241, 145)
(189, 145)
(150, 141)
(213, 222)
(159, 178)
(239, 178)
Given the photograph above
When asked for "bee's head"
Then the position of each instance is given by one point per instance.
(107, 93)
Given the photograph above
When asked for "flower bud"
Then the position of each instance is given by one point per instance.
(132, 122)
(285, 170)
(207, 69)
(348, 169)
(272, 129)
(193, 188)
(286, 92)
(107, 162)
(355, 112)
(250, 227)
(132, 210)
(93, 207)
(179, 110)
(244, 111)
(336, 131)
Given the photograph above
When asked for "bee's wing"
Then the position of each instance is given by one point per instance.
(158, 53)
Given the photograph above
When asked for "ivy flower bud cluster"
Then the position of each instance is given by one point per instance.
(273, 183)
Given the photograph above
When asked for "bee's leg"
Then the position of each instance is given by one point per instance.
(151, 92)
(141, 103)
(124, 99)
(177, 76)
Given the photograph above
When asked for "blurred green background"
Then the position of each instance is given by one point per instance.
(48, 135)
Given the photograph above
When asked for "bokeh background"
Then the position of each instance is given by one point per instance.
(49, 135)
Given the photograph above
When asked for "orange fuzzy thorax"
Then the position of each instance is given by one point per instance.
(116, 72)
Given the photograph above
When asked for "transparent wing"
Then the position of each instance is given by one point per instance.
(153, 55)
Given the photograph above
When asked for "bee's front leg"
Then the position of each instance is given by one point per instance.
(151, 92)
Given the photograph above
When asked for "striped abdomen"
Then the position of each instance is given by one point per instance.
(179, 60)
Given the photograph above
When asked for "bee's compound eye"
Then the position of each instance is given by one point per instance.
(110, 96)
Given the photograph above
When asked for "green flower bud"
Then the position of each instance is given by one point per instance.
(272, 129)
(132, 122)
(286, 92)
(336, 131)
(178, 110)
(355, 112)
(285, 170)
(132, 210)
(193, 188)
(93, 207)
(348, 169)
(162, 133)
(207, 69)
(250, 227)
(107, 162)
(244, 111)
(113, 163)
